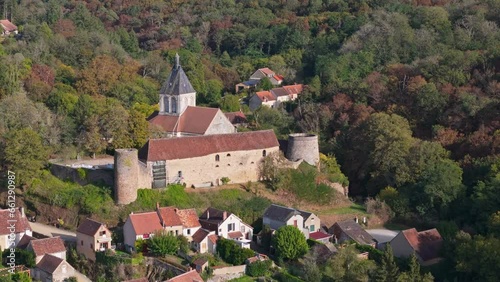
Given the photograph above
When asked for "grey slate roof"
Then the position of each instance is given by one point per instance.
(177, 83)
(280, 213)
(354, 231)
(49, 263)
(305, 214)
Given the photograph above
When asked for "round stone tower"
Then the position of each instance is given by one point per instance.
(303, 146)
(126, 175)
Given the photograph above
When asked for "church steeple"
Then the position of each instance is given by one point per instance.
(176, 93)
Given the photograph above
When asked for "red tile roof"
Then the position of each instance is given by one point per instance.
(319, 235)
(191, 276)
(294, 89)
(198, 146)
(145, 223)
(236, 117)
(265, 96)
(49, 263)
(89, 227)
(234, 235)
(6, 218)
(278, 77)
(200, 235)
(194, 120)
(189, 218)
(47, 246)
(8, 26)
(426, 244)
(267, 71)
(169, 216)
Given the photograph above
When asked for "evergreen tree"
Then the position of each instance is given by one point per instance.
(388, 270)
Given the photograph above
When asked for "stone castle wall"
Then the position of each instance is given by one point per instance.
(126, 175)
(303, 146)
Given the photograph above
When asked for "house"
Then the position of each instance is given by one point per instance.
(202, 161)
(200, 264)
(52, 268)
(13, 221)
(275, 96)
(320, 236)
(259, 74)
(349, 230)
(140, 226)
(179, 115)
(276, 216)
(204, 241)
(425, 244)
(52, 246)
(237, 118)
(91, 237)
(249, 84)
(191, 276)
(7, 27)
(226, 225)
(24, 242)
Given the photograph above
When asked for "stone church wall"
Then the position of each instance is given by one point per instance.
(220, 125)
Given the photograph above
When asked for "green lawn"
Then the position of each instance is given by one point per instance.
(353, 209)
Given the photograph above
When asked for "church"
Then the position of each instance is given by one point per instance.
(179, 115)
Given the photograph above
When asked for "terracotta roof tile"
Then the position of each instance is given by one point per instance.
(191, 276)
(189, 218)
(267, 71)
(194, 120)
(236, 117)
(319, 235)
(169, 216)
(8, 26)
(213, 238)
(145, 223)
(89, 227)
(200, 235)
(234, 235)
(278, 77)
(21, 223)
(294, 89)
(47, 246)
(426, 244)
(49, 263)
(265, 96)
(198, 146)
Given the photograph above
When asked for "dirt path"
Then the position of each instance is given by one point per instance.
(52, 231)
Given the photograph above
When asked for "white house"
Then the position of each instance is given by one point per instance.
(204, 241)
(13, 222)
(227, 225)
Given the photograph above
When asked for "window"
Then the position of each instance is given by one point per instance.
(217, 166)
(91, 246)
(230, 227)
(295, 223)
(228, 155)
(102, 233)
(189, 231)
(264, 153)
(242, 228)
(179, 173)
(166, 104)
(311, 228)
(176, 232)
(145, 236)
(174, 105)
(217, 158)
(81, 242)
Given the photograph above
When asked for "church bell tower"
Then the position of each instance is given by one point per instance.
(176, 93)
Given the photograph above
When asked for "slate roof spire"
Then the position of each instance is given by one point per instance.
(177, 83)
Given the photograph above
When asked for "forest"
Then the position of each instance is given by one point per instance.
(405, 94)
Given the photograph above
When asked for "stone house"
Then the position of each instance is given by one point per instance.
(349, 230)
(204, 241)
(203, 161)
(426, 245)
(7, 27)
(140, 226)
(277, 216)
(179, 221)
(13, 221)
(52, 246)
(52, 268)
(91, 237)
(259, 74)
(275, 96)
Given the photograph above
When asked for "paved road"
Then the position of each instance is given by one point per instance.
(382, 235)
(52, 231)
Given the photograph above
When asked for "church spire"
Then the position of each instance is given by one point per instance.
(177, 64)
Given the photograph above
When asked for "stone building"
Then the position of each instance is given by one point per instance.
(92, 237)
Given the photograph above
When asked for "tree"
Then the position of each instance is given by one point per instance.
(413, 274)
(24, 154)
(214, 91)
(265, 84)
(230, 103)
(388, 270)
(138, 128)
(289, 243)
(346, 266)
(163, 244)
(90, 138)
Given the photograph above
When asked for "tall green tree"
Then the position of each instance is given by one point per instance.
(387, 271)
(347, 266)
(289, 243)
(163, 244)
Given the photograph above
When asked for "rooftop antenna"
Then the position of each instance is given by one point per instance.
(177, 60)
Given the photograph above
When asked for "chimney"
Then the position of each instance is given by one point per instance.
(224, 215)
(157, 205)
(208, 213)
(21, 209)
(177, 60)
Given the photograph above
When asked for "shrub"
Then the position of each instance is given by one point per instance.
(231, 253)
(82, 173)
(225, 180)
(162, 244)
(259, 268)
(380, 209)
(289, 243)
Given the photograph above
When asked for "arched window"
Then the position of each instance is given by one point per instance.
(264, 153)
(217, 158)
(174, 105)
(166, 104)
(228, 155)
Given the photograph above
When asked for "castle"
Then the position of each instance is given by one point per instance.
(201, 149)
